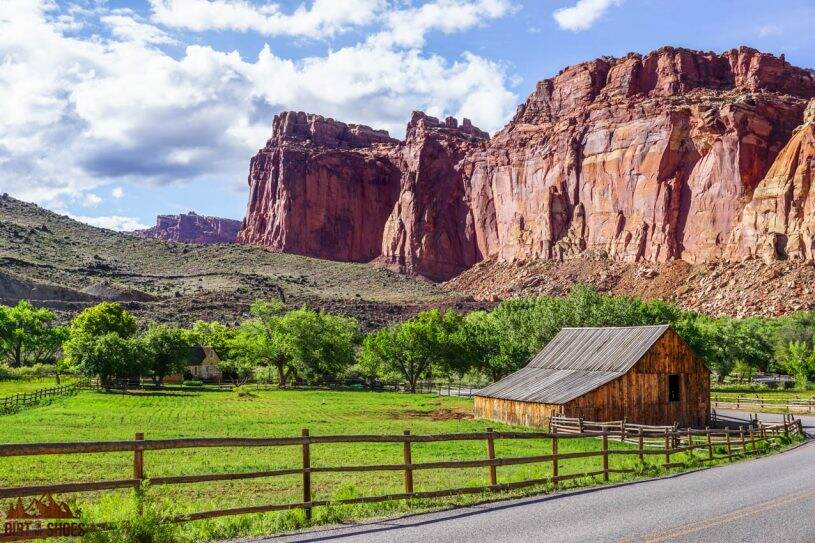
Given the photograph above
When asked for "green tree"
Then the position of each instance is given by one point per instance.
(104, 326)
(257, 342)
(213, 334)
(318, 345)
(167, 350)
(799, 361)
(413, 348)
(28, 336)
(108, 356)
(486, 347)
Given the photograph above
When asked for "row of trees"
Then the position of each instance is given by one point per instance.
(306, 346)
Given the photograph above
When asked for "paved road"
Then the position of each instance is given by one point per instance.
(768, 499)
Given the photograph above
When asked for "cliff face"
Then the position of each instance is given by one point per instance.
(430, 231)
(192, 228)
(677, 154)
(321, 188)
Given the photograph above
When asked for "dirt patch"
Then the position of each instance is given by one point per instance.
(437, 414)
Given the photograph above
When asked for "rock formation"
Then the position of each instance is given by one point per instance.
(321, 188)
(192, 228)
(430, 231)
(676, 154)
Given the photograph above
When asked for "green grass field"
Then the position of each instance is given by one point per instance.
(172, 414)
(10, 388)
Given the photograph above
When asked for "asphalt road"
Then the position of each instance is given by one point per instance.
(768, 499)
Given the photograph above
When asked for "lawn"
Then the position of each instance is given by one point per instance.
(93, 415)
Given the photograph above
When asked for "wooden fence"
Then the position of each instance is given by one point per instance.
(15, 402)
(796, 405)
(718, 444)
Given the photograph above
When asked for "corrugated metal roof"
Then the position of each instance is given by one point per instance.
(576, 361)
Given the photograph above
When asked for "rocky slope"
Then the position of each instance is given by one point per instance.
(66, 265)
(192, 228)
(674, 155)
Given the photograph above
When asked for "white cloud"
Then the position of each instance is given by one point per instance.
(324, 18)
(117, 192)
(84, 113)
(91, 200)
(408, 27)
(112, 222)
(583, 14)
(769, 30)
(127, 28)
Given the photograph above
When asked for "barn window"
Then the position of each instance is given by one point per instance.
(673, 388)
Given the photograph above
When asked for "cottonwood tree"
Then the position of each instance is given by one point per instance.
(28, 335)
(412, 349)
(100, 343)
(166, 350)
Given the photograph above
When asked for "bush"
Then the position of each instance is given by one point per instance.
(192, 384)
(151, 525)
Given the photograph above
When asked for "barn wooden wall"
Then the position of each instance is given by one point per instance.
(514, 412)
(641, 395)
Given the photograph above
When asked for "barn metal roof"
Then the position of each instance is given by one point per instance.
(576, 361)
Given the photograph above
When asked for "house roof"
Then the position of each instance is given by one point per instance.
(576, 361)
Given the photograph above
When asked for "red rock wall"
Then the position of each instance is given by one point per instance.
(192, 228)
(673, 155)
(321, 188)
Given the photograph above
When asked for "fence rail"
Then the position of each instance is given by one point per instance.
(733, 443)
(798, 405)
(15, 402)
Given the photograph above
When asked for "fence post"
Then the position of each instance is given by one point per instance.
(554, 456)
(580, 424)
(622, 430)
(491, 456)
(605, 453)
(306, 473)
(786, 427)
(741, 438)
(138, 460)
(667, 447)
(690, 443)
(408, 458)
(709, 443)
(729, 449)
(752, 439)
(640, 443)
(138, 471)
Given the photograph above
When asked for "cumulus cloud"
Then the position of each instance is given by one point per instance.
(85, 112)
(324, 18)
(408, 27)
(112, 222)
(583, 14)
(117, 192)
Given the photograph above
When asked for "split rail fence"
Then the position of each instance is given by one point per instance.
(717, 444)
(15, 402)
(797, 405)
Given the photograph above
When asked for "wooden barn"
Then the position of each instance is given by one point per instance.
(644, 374)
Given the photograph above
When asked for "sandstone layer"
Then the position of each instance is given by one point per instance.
(674, 155)
(192, 228)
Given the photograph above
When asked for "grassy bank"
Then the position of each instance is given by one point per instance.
(100, 416)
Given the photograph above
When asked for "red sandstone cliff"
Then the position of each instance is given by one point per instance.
(192, 228)
(677, 154)
(321, 188)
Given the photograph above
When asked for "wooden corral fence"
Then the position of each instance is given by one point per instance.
(718, 444)
(15, 402)
(795, 405)
(651, 436)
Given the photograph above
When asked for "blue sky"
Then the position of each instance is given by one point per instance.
(119, 110)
